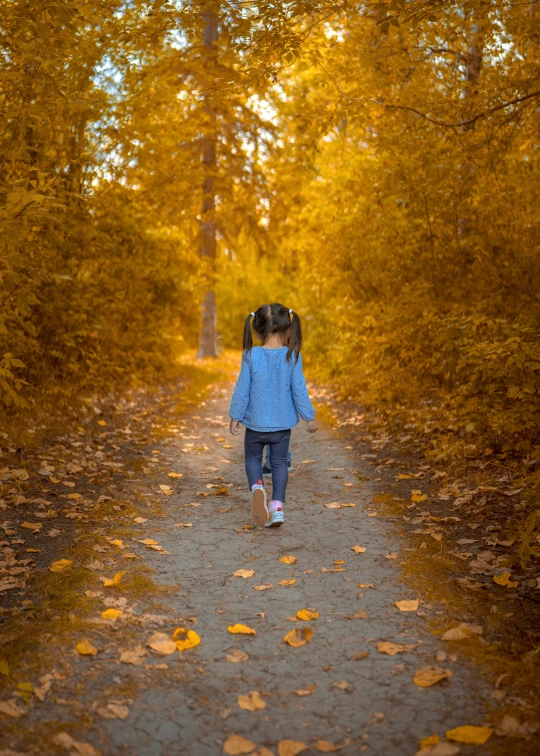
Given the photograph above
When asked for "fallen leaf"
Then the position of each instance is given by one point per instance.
(325, 746)
(264, 587)
(342, 685)
(439, 749)
(161, 643)
(307, 614)
(185, 639)
(470, 734)
(113, 711)
(174, 475)
(61, 565)
(35, 526)
(236, 745)
(418, 496)
(10, 709)
(102, 423)
(135, 657)
(291, 747)
(427, 676)
(4, 667)
(407, 605)
(333, 505)
(299, 636)
(183, 524)
(115, 580)
(86, 648)
(251, 702)
(140, 520)
(360, 655)
(240, 629)
(358, 549)
(387, 647)
(429, 741)
(111, 614)
(244, 573)
(117, 542)
(288, 559)
(307, 690)
(287, 582)
(462, 631)
(391, 556)
(236, 656)
(148, 542)
(359, 614)
(505, 580)
(510, 727)
(75, 746)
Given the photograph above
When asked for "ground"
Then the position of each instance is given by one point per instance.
(345, 689)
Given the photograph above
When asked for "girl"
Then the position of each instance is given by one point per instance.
(269, 397)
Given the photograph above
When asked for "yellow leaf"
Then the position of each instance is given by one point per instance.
(418, 496)
(33, 551)
(290, 747)
(307, 690)
(405, 476)
(20, 474)
(174, 475)
(244, 573)
(32, 525)
(358, 549)
(407, 605)
(387, 647)
(74, 496)
(236, 745)
(114, 581)
(102, 423)
(339, 561)
(470, 734)
(287, 582)
(505, 580)
(325, 746)
(4, 667)
(427, 676)
(431, 740)
(288, 559)
(251, 702)
(117, 542)
(135, 656)
(148, 542)
(53, 480)
(299, 636)
(264, 587)
(185, 639)
(307, 614)
(161, 643)
(111, 614)
(61, 565)
(239, 629)
(86, 648)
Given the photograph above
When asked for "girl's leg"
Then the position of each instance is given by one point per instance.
(253, 449)
(279, 446)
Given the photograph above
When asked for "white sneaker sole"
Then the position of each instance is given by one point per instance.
(259, 510)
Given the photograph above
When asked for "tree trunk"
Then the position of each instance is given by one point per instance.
(466, 172)
(208, 332)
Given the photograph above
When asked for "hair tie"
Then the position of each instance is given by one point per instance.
(252, 314)
(290, 311)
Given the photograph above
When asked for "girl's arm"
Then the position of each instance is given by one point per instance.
(240, 397)
(300, 393)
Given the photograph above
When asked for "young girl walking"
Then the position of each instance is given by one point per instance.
(269, 398)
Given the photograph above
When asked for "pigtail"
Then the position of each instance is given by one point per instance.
(247, 342)
(295, 340)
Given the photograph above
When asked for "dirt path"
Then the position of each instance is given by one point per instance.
(354, 696)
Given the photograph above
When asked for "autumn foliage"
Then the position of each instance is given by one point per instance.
(373, 166)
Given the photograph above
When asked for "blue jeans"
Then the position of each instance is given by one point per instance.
(278, 443)
(268, 458)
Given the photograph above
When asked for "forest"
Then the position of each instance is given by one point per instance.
(166, 167)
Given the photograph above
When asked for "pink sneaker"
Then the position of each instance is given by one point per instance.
(259, 504)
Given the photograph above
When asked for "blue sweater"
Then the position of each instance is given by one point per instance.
(270, 392)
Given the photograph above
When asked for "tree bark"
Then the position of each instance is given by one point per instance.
(207, 234)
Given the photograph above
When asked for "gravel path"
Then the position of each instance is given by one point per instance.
(359, 699)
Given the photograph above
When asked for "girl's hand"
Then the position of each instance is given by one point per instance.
(234, 427)
(312, 426)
